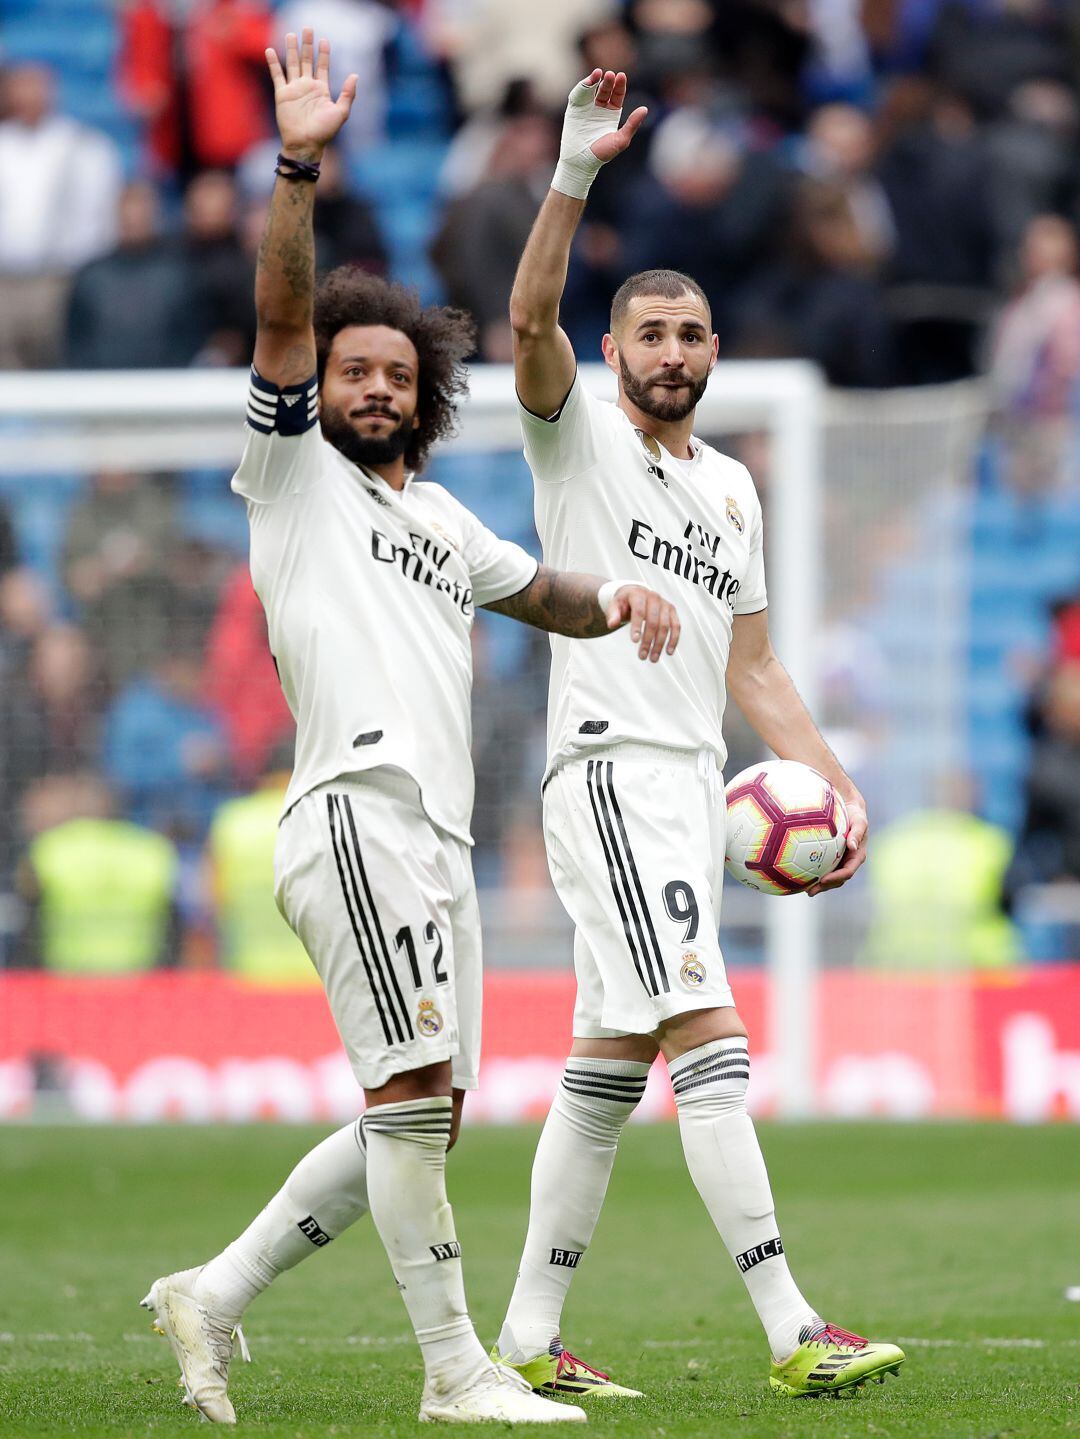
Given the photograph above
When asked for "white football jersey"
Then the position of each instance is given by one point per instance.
(369, 594)
(610, 500)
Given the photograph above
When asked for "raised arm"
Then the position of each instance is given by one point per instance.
(308, 119)
(586, 608)
(543, 358)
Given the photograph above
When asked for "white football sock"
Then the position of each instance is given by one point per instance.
(570, 1177)
(325, 1193)
(406, 1149)
(725, 1163)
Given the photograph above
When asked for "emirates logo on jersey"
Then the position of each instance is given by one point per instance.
(678, 558)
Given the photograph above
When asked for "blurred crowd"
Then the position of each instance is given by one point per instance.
(863, 182)
(887, 187)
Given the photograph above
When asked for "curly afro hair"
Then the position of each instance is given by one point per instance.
(443, 337)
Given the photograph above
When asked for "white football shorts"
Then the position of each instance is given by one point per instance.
(384, 903)
(635, 843)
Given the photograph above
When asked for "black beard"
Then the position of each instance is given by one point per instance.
(360, 449)
(668, 406)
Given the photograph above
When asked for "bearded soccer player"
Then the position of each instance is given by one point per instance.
(634, 805)
(369, 579)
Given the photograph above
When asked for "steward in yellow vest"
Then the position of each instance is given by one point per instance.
(102, 894)
(936, 878)
(255, 940)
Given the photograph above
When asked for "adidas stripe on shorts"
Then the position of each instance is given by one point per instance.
(385, 904)
(635, 842)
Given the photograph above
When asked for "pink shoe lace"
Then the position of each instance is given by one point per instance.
(570, 1367)
(832, 1334)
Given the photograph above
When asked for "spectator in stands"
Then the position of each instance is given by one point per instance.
(762, 49)
(346, 227)
(195, 74)
(983, 51)
(1033, 162)
(137, 307)
(59, 186)
(841, 148)
(254, 714)
(934, 171)
(99, 891)
(68, 698)
(23, 618)
(485, 41)
(164, 752)
(823, 303)
(711, 206)
(118, 540)
(483, 233)
(1048, 849)
(254, 940)
(1035, 361)
(222, 275)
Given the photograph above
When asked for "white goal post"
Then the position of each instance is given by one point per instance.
(186, 419)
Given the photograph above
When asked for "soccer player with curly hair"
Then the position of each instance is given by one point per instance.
(370, 579)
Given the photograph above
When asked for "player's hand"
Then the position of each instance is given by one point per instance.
(654, 621)
(593, 114)
(855, 854)
(307, 115)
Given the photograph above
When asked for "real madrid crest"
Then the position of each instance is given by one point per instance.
(649, 445)
(693, 972)
(428, 1019)
(443, 535)
(734, 514)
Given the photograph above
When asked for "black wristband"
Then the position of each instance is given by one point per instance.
(290, 169)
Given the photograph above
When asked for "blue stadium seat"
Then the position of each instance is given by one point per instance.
(400, 170)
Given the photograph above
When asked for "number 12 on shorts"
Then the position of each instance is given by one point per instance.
(403, 940)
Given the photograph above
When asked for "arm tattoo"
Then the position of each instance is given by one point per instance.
(560, 602)
(285, 272)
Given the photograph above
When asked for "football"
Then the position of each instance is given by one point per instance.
(786, 827)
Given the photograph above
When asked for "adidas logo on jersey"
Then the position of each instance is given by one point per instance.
(290, 400)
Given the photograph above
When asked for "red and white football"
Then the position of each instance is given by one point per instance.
(786, 827)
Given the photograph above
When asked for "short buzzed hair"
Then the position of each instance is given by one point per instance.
(667, 284)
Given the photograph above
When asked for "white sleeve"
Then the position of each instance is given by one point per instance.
(752, 596)
(282, 455)
(567, 443)
(498, 568)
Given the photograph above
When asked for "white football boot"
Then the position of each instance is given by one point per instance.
(500, 1395)
(202, 1342)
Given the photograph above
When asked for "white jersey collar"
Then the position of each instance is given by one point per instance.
(695, 444)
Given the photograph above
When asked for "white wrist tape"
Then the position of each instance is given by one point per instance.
(583, 123)
(609, 589)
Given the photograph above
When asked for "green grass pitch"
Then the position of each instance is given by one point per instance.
(958, 1241)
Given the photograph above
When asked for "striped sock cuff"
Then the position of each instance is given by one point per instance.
(424, 1121)
(722, 1064)
(609, 1081)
